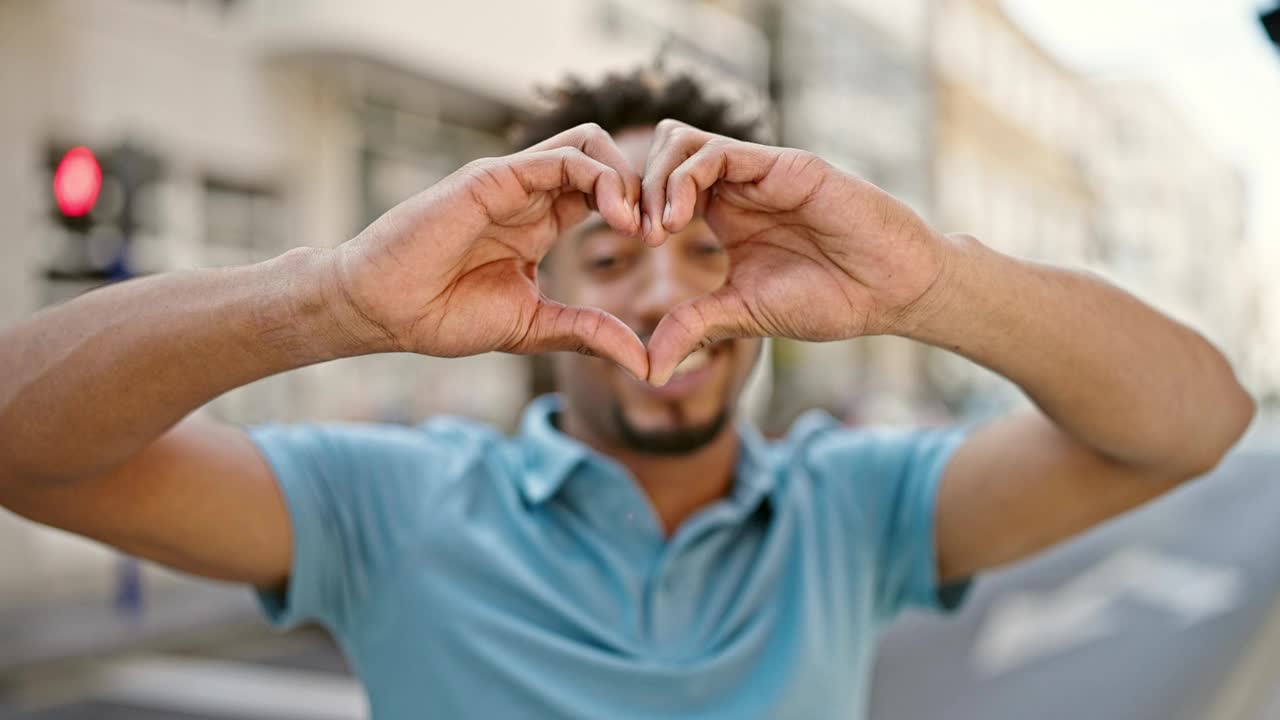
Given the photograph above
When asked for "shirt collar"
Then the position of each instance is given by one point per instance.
(551, 456)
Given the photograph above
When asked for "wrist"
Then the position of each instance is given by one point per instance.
(310, 316)
(935, 316)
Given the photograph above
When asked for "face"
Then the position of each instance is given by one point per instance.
(594, 266)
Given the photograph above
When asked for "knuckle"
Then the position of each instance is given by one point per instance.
(689, 319)
(670, 126)
(718, 149)
(719, 146)
(485, 175)
(478, 165)
(571, 158)
(806, 159)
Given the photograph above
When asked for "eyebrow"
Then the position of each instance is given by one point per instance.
(589, 228)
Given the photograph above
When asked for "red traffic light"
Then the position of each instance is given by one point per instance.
(77, 181)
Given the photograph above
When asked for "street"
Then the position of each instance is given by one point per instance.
(247, 676)
(1149, 616)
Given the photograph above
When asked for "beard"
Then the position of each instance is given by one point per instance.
(680, 441)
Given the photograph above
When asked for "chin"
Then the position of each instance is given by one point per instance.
(699, 396)
(681, 439)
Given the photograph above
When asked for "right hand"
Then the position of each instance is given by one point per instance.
(452, 271)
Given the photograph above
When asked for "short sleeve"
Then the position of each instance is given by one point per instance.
(343, 485)
(887, 480)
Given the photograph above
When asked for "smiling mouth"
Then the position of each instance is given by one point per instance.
(697, 359)
(694, 372)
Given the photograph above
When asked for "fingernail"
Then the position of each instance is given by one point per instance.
(635, 215)
(666, 214)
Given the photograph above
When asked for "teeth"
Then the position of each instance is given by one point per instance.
(693, 362)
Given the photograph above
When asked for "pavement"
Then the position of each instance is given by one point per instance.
(246, 675)
(52, 633)
(1149, 616)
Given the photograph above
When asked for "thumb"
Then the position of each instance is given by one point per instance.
(590, 331)
(695, 324)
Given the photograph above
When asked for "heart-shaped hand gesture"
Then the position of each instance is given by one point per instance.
(815, 254)
(452, 271)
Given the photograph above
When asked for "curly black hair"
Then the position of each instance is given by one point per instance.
(638, 98)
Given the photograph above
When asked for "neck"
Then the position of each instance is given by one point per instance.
(677, 485)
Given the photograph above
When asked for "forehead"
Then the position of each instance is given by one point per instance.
(634, 143)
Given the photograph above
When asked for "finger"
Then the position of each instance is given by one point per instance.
(597, 144)
(570, 209)
(721, 159)
(673, 143)
(591, 331)
(695, 324)
(568, 168)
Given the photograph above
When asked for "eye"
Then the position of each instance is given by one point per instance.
(607, 265)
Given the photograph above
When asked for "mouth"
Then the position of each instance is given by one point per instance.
(693, 373)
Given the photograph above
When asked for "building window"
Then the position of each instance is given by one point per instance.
(243, 223)
(405, 152)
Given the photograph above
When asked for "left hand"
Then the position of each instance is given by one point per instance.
(815, 254)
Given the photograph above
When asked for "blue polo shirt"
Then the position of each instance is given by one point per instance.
(466, 574)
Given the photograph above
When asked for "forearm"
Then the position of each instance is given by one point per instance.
(1117, 375)
(85, 385)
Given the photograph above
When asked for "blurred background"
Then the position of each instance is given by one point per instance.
(1137, 139)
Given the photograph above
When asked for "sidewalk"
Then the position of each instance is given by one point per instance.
(220, 674)
(1253, 693)
(42, 635)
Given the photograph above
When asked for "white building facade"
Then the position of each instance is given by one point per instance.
(853, 85)
(1173, 220)
(285, 123)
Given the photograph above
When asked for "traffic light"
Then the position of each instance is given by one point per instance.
(95, 204)
(77, 182)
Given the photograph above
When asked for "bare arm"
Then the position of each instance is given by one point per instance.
(90, 389)
(1132, 404)
(92, 392)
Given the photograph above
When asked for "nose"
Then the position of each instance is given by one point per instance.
(669, 279)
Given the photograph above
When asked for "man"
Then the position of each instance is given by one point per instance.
(630, 552)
